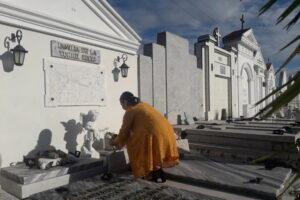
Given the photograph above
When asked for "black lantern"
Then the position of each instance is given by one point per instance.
(124, 70)
(19, 51)
(19, 55)
(116, 73)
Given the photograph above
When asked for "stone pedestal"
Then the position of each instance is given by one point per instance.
(115, 161)
(22, 181)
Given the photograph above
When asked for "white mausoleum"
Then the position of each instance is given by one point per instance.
(71, 48)
(234, 77)
(213, 83)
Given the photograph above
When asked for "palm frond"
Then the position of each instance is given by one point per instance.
(294, 179)
(283, 99)
(294, 53)
(266, 6)
(292, 22)
(291, 42)
(272, 155)
(288, 11)
(296, 76)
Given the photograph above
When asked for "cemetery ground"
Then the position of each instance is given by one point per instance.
(217, 167)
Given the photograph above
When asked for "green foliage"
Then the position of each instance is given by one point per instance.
(289, 94)
(284, 98)
(288, 11)
(272, 155)
(294, 90)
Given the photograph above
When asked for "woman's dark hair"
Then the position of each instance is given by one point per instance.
(130, 98)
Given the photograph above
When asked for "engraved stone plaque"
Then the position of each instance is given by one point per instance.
(69, 84)
(222, 70)
(74, 52)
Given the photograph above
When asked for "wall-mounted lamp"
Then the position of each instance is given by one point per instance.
(116, 73)
(19, 51)
(124, 68)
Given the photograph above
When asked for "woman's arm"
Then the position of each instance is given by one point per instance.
(124, 132)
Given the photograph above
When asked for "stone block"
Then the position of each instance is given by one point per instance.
(159, 78)
(157, 53)
(145, 79)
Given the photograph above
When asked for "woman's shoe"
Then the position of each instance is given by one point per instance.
(159, 176)
(162, 176)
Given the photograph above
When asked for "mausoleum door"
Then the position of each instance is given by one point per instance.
(245, 92)
(221, 100)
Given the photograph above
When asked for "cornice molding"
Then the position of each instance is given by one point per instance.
(116, 18)
(31, 20)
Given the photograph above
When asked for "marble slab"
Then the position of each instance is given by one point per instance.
(243, 134)
(24, 175)
(236, 144)
(231, 177)
(231, 153)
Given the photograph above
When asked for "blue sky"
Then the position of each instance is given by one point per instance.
(192, 18)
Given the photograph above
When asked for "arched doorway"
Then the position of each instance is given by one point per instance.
(245, 90)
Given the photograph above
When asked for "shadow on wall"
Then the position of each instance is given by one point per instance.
(7, 61)
(43, 143)
(72, 130)
(0, 160)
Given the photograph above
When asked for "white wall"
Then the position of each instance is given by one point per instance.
(23, 114)
(69, 10)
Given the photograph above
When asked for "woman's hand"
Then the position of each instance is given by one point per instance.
(111, 141)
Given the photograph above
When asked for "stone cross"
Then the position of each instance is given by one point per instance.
(217, 35)
(243, 21)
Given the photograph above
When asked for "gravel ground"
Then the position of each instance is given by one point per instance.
(125, 188)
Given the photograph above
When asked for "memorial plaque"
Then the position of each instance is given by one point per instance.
(74, 52)
(222, 70)
(70, 84)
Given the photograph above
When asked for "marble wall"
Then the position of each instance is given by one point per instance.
(158, 54)
(145, 81)
(176, 78)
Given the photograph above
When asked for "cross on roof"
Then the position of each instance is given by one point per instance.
(217, 35)
(243, 21)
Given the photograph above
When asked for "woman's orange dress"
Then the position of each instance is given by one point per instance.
(149, 138)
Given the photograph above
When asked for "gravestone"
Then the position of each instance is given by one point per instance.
(224, 114)
(231, 177)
